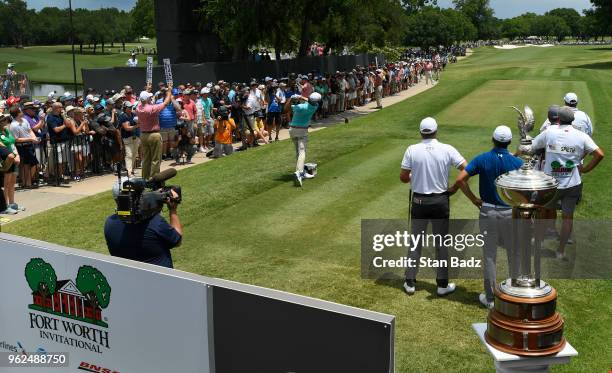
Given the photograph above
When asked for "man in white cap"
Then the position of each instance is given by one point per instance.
(495, 215)
(302, 109)
(151, 140)
(581, 121)
(426, 166)
(565, 148)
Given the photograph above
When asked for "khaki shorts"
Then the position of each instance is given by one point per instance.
(167, 134)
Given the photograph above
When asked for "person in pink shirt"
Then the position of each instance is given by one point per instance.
(307, 88)
(148, 119)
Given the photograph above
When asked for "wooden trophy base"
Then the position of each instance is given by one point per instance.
(525, 326)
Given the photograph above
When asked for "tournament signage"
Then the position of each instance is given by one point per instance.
(99, 313)
(78, 311)
(55, 303)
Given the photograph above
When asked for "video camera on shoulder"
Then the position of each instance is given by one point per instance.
(139, 199)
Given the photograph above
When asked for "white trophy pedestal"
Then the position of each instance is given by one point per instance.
(508, 363)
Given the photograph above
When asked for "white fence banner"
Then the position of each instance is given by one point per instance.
(168, 71)
(149, 70)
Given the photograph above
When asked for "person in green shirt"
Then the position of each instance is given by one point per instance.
(321, 89)
(10, 176)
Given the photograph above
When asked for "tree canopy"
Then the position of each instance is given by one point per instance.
(41, 277)
(92, 283)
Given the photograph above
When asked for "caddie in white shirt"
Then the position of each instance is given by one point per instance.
(426, 167)
(565, 148)
(581, 121)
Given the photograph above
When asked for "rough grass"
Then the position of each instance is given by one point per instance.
(245, 221)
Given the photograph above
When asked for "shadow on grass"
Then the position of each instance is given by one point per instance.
(460, 295)
(595, 66)
(601, 49)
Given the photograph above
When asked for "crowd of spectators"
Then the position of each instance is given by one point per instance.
(66, 138)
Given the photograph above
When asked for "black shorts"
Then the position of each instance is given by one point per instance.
(274, 117)
(27, 154)
(566, 200)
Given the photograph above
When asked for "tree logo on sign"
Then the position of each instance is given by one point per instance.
(82, 301)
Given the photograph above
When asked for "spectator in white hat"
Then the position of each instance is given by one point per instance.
(426, 166)
(495, 215)
(148, 120)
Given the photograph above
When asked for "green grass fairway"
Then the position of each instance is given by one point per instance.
(53, 64)
(245, 221)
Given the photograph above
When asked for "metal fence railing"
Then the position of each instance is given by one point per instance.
(80, 157)
(14, 85)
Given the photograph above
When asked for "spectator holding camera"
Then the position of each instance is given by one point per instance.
(149, 240)
(148, 118)
(224, 127)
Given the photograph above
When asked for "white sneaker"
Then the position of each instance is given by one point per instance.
(9, 211)
(483, 300)
(306, 175)
(447, 290)
(202, 150)
(298, 179)
(409, 289)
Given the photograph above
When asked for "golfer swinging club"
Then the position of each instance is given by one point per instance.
(302, 109)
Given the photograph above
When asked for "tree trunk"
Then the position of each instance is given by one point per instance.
(95, 44)
(123, 45)
(81, 48)
(112, 43)
(305, 38)
(102, 46)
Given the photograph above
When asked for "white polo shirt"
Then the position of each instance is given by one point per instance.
(582, 122)
(430, 162)
(565, 147)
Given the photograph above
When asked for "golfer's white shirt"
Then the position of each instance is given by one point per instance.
(132, 63)
(565, 148)
(581, 122)
(430, 162)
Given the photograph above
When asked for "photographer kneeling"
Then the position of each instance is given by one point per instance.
(139, 232)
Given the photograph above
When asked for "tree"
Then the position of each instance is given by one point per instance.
(93, 285)
(41, 278)
(571, 18)
(481, 15)
(413, 6)
(590, 25)
(125, 31)
(143, 18)
(16, 19)
(602, 11)
(550, 26)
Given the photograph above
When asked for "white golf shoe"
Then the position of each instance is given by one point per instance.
(447, 290)
(298, 179)
(483, 300)
(409, 289)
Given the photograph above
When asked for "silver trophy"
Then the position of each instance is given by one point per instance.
(524, 320)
